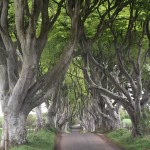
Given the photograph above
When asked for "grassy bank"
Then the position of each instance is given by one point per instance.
(123, 137)
(42, 140)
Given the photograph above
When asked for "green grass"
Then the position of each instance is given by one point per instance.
(42, 140)
(123, 138)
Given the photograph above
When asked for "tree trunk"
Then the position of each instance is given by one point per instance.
(137, 127)
(52, 110)
(39, 118)
(116, 123)
(50, 119)
(50, 116)
(61, 122)
(23, 84)
(14, 129)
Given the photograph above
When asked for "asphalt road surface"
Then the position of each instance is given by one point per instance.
(84, 141)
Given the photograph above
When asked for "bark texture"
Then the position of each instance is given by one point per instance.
(39, 118)
(53, 108)
(20, 85)
(130, 89)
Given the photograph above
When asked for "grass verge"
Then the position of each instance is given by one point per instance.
(42, 140)
(123, 138)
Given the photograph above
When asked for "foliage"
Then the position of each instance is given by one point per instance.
(56, 42)
(42, 140)
(123, 114)
(123, 138)
(76, 87)
(31, 121)
(126, 121)
(103, 50)
(54, 130)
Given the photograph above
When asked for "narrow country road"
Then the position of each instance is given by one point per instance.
(84, 141)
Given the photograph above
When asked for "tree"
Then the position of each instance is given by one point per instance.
(130, 59)
(53, 108)
(39, 118)
(22, 89)
(106, 108)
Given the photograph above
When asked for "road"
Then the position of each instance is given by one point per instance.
(84, 141)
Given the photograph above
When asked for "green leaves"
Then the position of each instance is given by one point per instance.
(56, 42)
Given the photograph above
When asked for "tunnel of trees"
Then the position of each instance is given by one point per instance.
(85, 59)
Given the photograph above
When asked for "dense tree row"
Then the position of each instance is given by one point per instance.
(109, 43)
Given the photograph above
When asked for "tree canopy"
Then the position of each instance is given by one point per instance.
(90, 56)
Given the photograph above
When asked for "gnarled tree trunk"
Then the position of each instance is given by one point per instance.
(53, 108)
(14, 129)
(19, 90)
(137, 126)
(39, 118)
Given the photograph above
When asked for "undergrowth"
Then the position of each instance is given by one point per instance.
(123, 138)
(42, 140)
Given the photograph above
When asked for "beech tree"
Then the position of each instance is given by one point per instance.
(106, 108)
(39, 118)
(53, 108)
(21, 90)
(24, 30)
(131, 44)
(134, 41)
